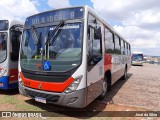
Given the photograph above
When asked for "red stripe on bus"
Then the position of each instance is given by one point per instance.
(13, 76)
(107, 62)
(46, 86)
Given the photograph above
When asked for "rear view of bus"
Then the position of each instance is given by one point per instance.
(137, 58)
(10, 34)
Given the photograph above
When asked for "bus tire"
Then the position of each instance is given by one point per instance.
(124, 77)
(105, 88)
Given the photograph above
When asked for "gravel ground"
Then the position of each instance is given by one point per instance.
(142, 89)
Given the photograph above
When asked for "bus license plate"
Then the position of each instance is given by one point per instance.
(39, 99)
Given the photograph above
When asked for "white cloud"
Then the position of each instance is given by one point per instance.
(58, 4)
(17, 9)
(138, 21)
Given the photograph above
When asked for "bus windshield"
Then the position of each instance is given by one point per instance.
(60, 48)
(3, 48)
(137, 57)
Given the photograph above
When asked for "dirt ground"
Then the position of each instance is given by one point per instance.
(142, 89)
(140, 92)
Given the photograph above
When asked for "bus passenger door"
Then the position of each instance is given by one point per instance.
(15, 38)
(95, 62)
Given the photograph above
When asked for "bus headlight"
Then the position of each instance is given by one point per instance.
(73, 86)
(20, 79)
(2, 71)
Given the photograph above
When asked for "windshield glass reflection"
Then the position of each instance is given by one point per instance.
(3, 47)
(61, 48)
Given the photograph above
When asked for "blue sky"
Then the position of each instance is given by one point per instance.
(81, 2)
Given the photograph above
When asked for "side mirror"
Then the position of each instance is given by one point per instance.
(97, 33)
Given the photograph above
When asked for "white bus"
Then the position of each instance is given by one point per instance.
(10, 34)
(137, 58)
(70, 57)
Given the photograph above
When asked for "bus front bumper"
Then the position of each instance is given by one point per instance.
(76, 99)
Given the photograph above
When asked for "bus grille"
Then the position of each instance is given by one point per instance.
(49, 98)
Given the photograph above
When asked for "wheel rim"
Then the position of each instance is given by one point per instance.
(104, 88)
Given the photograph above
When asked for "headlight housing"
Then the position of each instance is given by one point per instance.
(2, 71)
(20, 79)
(74, 85)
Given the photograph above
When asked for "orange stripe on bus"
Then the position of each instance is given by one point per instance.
(46, 86)
(13, 76)
(107, 62)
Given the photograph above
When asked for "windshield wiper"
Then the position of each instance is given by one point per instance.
(34, 35)
(55, 33)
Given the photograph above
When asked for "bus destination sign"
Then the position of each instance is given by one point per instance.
(55, 15)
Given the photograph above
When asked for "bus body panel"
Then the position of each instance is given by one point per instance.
(10, 79)
(58, 89)
(107, 62)
(76, 99)
(95, 73)
(4, 82)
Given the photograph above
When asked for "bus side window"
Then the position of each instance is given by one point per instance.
(109, 42)
(126, 48)
(94, 40)
(94, 44)
(117, 45)
(15, 42)
(122, 47)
